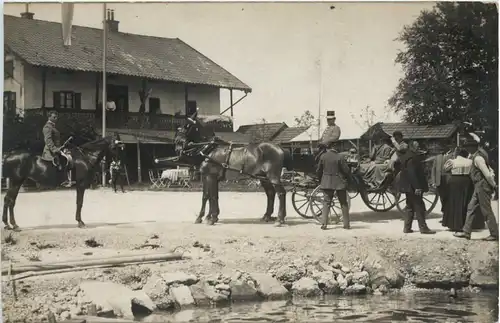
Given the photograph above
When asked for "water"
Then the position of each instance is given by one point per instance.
(415, 307)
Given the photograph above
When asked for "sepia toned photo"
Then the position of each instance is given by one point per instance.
(250, 162)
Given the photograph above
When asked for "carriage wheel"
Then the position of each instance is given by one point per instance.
(430, 200)
(353, 194)
(300, 202)
(316, 201)
(379, 201)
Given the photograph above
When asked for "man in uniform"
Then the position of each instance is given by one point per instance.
(484, 187)
(413, 184)
(52, 138)
(333, 172)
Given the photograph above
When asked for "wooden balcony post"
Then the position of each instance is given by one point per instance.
(231, 99)
(139, 175)
(44, 87)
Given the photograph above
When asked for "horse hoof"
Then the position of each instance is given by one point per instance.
(210, 222)
(215, 220)
(7, 227)
(266, 218)
(278, 224)
(198, 221)
(81, 225)
(16, 228)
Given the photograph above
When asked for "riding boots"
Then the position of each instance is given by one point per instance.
(345, 217)
(422, 225)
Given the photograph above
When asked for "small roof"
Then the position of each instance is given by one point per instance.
(234, 137)
(39, 43)
(288, 134)
(266, 131)
(411, 131)
(346, 133)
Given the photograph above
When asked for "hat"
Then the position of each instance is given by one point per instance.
(330, 115)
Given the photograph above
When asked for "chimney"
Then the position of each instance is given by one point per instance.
(27, 14)
(111, 22)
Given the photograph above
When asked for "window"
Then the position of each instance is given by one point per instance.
(67, 100)
(154, 106)
(9, 103)
(191, 108)
(8, 69)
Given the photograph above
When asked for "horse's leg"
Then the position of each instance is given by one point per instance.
(271, 195)
(216, 210)
(204, 200)
(80, 192)
(282, 200)
(213, 197)
(9, 203)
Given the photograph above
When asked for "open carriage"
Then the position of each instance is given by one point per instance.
(307, 197)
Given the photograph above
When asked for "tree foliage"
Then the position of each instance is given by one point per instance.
(366, 118)
(450, 66)
(307, 119)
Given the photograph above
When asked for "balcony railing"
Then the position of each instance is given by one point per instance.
(130, 120)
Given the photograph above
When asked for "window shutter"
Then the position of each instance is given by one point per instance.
(57, 100)
(77, 101)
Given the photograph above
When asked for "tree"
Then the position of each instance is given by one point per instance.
(366, 118)
(450, 66)
(307, 119)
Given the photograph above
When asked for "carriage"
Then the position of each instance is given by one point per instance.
(307, 197)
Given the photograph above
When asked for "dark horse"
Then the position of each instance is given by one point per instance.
(20, 165)
(263, 161)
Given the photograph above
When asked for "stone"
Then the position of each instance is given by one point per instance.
(345, 269)
(199, 295)
(179, 278)
(382, 272)
(222, 287)
(66, 315)
(289, 273)
(484, 269)
(182, 296)
(326, 282)
(215, 296)
(337, 265)
(323, 266)
(356, 289)
(342, 282)
(117, 297)
(269, 287)
(362, 278)
(306, 287)
(156, 288)
(241, 291)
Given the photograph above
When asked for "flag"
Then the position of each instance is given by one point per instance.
(67, 9)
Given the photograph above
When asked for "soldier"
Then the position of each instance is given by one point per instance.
(52, 138)
(484, 187)
(334, 173)
(413, 184)
(332, 132)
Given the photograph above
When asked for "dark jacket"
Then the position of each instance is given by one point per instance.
(333, 171)
(412, 175)
(52, 139)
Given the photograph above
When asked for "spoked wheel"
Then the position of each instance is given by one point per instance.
(430, 200)
(352, 194)
(383, 201)
(300, 201)
(317, 197)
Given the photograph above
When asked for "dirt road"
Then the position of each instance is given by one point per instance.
(102, 207)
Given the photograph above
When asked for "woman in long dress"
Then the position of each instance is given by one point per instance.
(459, 192)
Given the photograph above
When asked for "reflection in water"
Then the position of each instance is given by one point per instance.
(415, 307)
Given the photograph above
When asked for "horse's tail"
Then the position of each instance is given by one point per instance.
(288, 160)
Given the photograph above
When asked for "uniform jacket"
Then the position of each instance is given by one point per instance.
(412, 175)
(52, 139)
(330, 135)
(333, 171)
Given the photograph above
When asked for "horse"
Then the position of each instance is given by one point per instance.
(263, 161)
(20, 165)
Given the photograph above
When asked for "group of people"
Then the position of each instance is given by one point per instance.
(53, 150)
(466, 187)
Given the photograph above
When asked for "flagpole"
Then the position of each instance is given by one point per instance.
(104, 99)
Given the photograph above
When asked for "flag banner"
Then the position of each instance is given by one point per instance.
(67, 9)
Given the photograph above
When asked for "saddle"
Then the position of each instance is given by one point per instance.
(67, 159)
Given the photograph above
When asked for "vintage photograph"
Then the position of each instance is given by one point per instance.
(250, 162)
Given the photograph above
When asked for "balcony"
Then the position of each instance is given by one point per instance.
(130, 120)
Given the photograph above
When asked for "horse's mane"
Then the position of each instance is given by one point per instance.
(91, 145)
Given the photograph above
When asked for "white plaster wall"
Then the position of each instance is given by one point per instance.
(16, 84)
(171, 95)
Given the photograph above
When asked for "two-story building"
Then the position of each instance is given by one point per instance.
(154, 83)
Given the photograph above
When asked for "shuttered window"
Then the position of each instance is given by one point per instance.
(67, 100)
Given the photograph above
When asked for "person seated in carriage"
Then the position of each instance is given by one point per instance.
(375, 172)
(52, 151)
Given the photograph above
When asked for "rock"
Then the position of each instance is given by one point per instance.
(215, 296)
(362, 278)
(222, 287)
(326, 282)
(66, 315)
(306, 287)
(342, 282)
(156, 288)
(241, 291)
(337, 265)
(117, 297)
(199, 295)
(154, 318)
(182, 295)
(323, 266)
(289, 273)
(356, 289)
(345, 269)
(382, 272)
(179, 278)
(484, 269)
(269, 287)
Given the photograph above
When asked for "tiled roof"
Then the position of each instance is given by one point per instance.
(39, 43)
(263, 131)
(146, 136)
(413, 131)
(234, 137)
(288, 134)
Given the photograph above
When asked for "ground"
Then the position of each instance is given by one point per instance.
(123, 223)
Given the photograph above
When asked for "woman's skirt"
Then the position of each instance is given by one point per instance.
(459, 193)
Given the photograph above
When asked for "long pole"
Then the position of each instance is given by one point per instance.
(319, 100)
(104, 36)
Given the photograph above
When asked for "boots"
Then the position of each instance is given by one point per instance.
(422, 225)
(408, 221)
(345, 217)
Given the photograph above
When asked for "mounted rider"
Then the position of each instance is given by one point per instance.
(330, 136)
(52, 149)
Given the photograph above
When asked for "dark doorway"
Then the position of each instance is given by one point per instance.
(118, 94)
(191, 108)
(154, 106)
